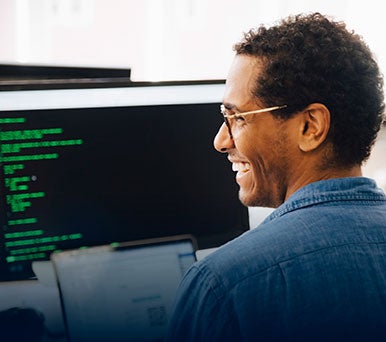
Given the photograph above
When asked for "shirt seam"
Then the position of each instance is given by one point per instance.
(303, 203)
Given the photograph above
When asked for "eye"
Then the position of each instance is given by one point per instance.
(239, 118)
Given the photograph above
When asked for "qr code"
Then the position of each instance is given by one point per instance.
(157, 316)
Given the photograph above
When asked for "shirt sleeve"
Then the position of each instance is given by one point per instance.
(202, 310)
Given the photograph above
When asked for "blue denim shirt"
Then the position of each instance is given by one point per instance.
(315, 269)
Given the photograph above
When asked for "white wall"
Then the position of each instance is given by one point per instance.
(159, 39)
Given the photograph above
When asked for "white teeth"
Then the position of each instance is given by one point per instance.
(243, 167)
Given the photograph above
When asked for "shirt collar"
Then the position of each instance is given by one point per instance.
(337, 189)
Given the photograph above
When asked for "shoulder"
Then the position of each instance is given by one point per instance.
(249, 255)
(310, 230)
(263, 246)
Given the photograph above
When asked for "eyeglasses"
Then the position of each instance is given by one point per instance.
(232, 116)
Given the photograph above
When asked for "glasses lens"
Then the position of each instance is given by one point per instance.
(227, 123)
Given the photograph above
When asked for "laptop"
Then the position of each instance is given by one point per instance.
(121, 292)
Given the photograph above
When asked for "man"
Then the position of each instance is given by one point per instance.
(303, 104)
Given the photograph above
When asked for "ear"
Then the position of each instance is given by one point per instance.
(314, 126)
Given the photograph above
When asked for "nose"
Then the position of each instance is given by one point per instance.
(223, 141)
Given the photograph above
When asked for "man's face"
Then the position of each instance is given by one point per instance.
(260, 147)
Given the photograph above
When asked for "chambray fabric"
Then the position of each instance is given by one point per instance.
(314, 270)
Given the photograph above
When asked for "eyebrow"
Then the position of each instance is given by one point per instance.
(231, 106)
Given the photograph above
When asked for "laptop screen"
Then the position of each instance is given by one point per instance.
(122, 292)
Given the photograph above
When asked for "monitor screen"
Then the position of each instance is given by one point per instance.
(86, 167)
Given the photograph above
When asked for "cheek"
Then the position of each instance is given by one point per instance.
(267, 159)
(259, 165)
(253, 149)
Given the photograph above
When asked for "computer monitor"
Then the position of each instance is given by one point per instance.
(87, 167)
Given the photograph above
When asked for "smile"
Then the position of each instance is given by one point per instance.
(241, 167)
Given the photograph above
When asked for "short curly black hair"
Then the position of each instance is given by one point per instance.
(311, 58)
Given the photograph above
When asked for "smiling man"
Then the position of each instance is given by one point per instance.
(302, 106)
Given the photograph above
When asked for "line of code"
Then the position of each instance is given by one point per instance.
(24, 237)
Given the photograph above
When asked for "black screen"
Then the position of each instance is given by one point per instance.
(91, 176)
